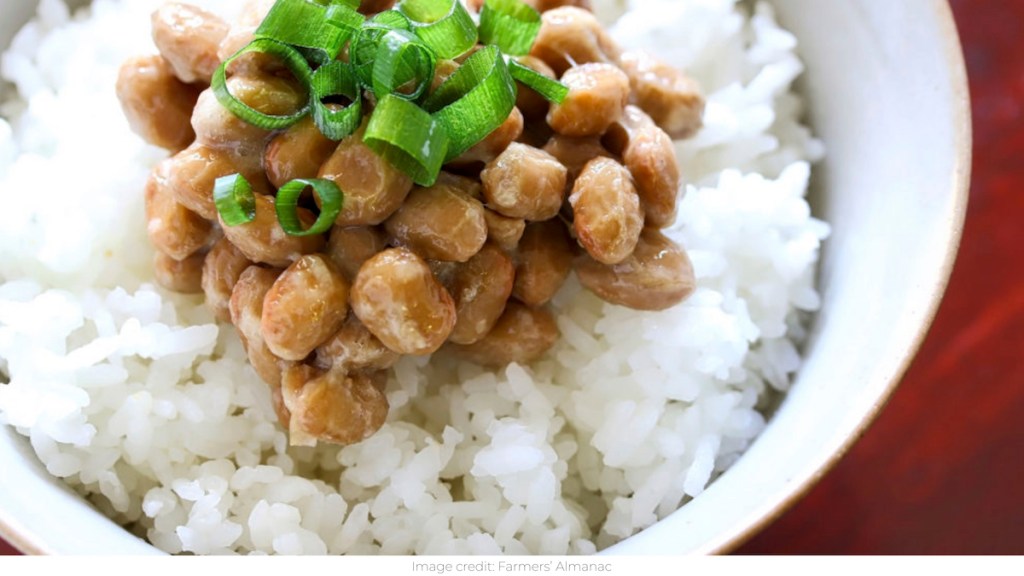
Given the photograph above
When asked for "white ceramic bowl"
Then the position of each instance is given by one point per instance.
(887, 92)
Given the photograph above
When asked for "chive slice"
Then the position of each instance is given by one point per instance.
(291, 58)
(510, 25)
(287, 203)
(402, 58)
(443, 25)
(552, 90)
(474, 101)
(233, 197)
(407, 137)
(304, 25)
(336, 79)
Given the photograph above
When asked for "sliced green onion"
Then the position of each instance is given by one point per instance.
(407, 137)
(350, 4)
(233, 197)
(551, 89)
(510, 25)
(402, 58)
(336, 79)
(290, 57)
(287, 205)
(304, 25)
(444, 25)
(474, 101)
(362, 51)
(343, 14)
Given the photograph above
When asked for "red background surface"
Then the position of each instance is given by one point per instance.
(942, 469)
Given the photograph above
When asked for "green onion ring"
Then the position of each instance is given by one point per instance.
(330, 199)
(474, 101)
(552, 90)
(342, 13)
(402, 58)
(304, 25)
(407, 137)
(510, 25)
(443, 25)
(291, 58)
(363, 49)
(336, 79)
(233, 197)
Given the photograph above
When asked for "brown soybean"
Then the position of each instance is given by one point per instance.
(156, 103)
(172, 228)
(440, 223)
(481, 287)
(606, 209)
(264, 240)
(297, 152)
(349, 247)
(182, 276)
(521, 335)
(222, 268)
(331, 406)
(246, 307)
(658, 275)
(598, 93)
(374, 189)
(569, 36)
(307, 304)
(543, 262)
(189, 37)
(397, 298)
(670, 97)
(525, 182)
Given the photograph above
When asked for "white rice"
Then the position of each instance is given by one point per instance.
(140, 401)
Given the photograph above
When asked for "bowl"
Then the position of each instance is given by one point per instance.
(887, 93)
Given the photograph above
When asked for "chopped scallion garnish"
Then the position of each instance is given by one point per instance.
(394, 54)
(332, 80)
(304, 25)
(444, 25)
(291, 58)
(510, 25)
(407, 137)
(402, 59)
(366, 42)
(287, 205)
(473, 101)
(551, 89)
(232, 195)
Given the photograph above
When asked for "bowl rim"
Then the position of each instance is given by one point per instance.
(959, 189)
(960, 182)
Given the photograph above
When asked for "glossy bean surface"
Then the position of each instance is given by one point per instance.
(222, 268)
(439, 223)
(331, 406)
(524, 182)
(397, 298)
(157, 105)
(521, 335)
(189, 37)
(658, 275)
(606, 209)
(306, 305)
(480, 288)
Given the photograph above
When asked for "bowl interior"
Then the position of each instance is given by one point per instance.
(886, 90)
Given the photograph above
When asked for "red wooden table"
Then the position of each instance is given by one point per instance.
(942, 469)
